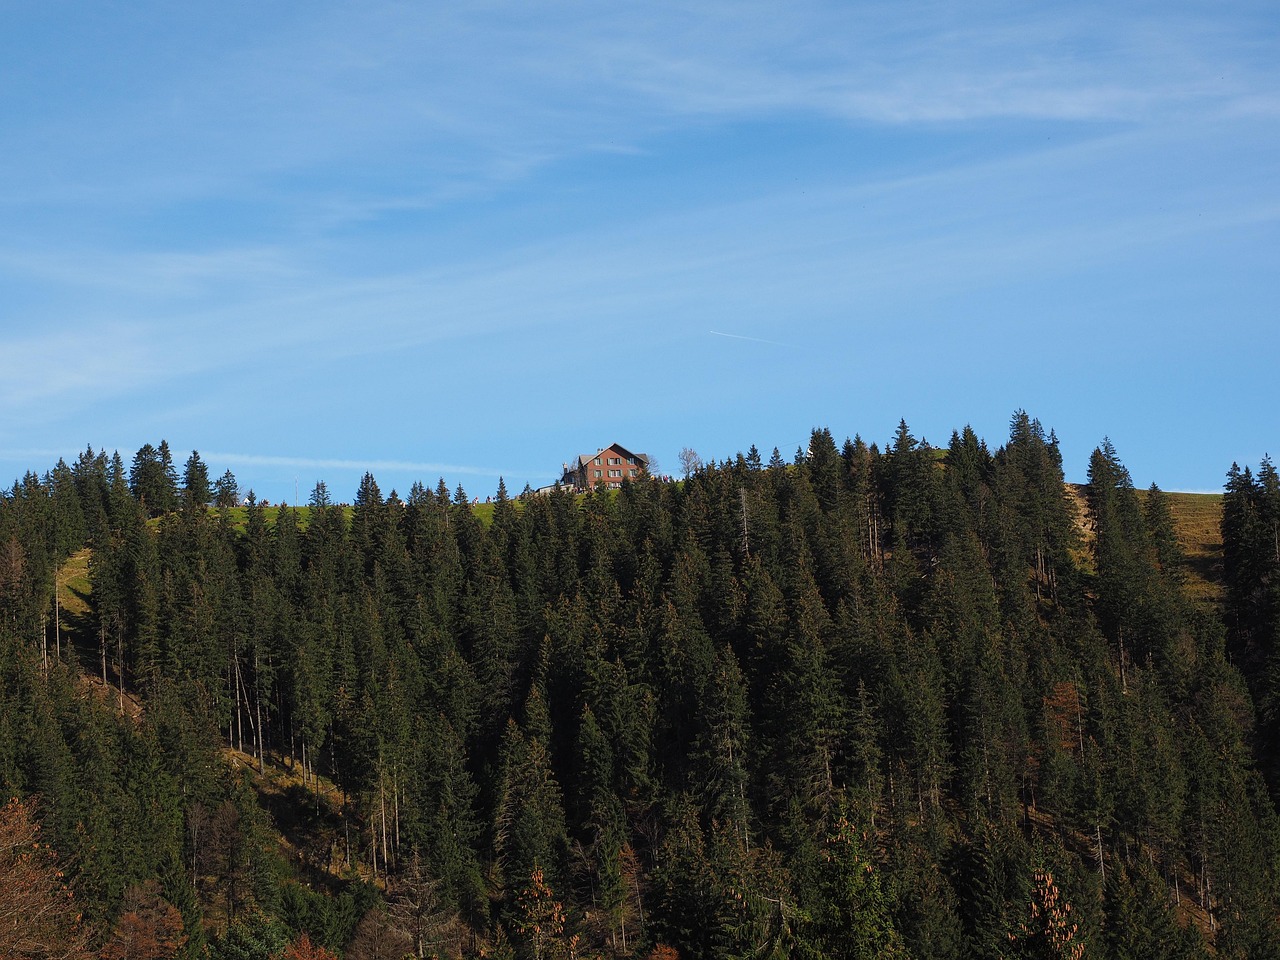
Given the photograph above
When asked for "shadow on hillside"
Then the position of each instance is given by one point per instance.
(80, 628)
(1207, 568)
(313, 831)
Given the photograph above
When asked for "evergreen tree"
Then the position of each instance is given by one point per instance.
(849, 911)
(528, 825)
(226, 492)
(147, 480)
(196, 488)
(169, 473)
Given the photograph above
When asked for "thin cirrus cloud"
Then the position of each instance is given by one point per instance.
(338, 463)
(424, 194)
(841, 242)
(459, 95)
(40, 374)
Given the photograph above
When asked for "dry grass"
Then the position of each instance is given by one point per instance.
(307, 818)
(1197, 519)
(73, 584)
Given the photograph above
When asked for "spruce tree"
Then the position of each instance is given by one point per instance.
(196, 489)
(226, 491)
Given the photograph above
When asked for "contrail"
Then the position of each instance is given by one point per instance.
(738, 336)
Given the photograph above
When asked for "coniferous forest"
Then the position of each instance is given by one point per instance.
(912, 702)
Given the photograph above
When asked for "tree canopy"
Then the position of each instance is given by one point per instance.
(899, 703)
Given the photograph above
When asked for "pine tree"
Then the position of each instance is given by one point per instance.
(226, 492)
(1124, 572)
(529, 826)
(603, 826)
(169, 478)
(1140, 918)
(196, 488)
(691, 908)
(848, 909)
(147, 480)
(721, 748)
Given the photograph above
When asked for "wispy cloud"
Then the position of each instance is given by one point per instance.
(150, 275)
(447, 95)
(797, 250)
(738, 336)
(86, 365)
(333, 463)
(252, 212)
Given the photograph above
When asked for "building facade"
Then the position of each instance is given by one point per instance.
(607, 467)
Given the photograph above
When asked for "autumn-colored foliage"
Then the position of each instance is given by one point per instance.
(150, 928)
(378, 938)
(1051, 931)
(304, 949)
(1066, 714)
(541, 917)
(38, 916)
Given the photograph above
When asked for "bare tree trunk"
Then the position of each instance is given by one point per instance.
(1208, 902)
(986, 766)
(248, 716)
(257, 700)
(1124, 683)
(235, 662)
(382, 799)
(257, 706)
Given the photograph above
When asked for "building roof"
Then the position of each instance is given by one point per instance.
(585, 458)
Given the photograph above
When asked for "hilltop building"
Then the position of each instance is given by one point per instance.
(607, 467)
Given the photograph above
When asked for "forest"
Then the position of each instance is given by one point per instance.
(927, 702)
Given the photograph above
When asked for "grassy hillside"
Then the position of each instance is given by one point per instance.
(1197, 519)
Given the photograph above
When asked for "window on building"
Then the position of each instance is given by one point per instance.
(631, 460)
(597, 472)
(597, 461)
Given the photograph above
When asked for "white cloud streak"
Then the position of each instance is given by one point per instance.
(399, 466)
(738, 336)
(458, 95)
(285, 197)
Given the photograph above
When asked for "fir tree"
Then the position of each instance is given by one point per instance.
(196, 489)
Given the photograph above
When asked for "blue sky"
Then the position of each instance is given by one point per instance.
(466, 240)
